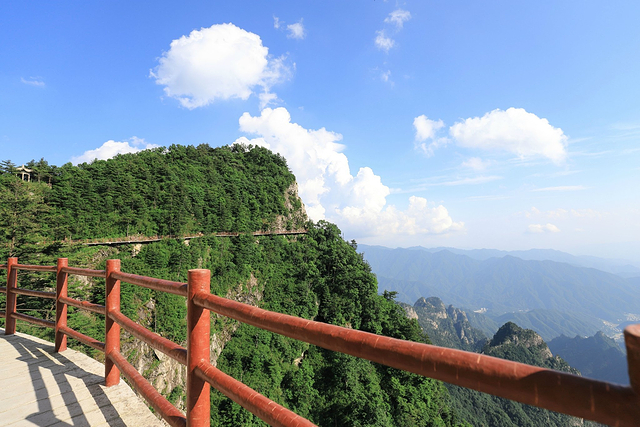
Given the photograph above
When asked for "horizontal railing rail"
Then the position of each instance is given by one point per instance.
(44, 268)
(558, 391)
(168, 347)
(30, 293)
(84, 272)
(84, 305)
(176, 288)
(170, 413)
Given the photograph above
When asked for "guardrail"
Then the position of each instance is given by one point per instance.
(557, 391)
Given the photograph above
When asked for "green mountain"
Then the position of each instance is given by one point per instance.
(597, 357)
(183, 190)
(521, 345)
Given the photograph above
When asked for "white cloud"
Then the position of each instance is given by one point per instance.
(386, 76)
(357, 203)
(112, 148)
(276, 22)
(562, 188)
(398, 17)
(296, 31)
(219, 62)
(383, 42)
(514, 130)
(585, 213)
(468, 181)
(543, 228)
(476, 163)
(561, 213)
(33, 81)
(426, 130)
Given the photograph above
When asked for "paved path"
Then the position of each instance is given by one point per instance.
(41, 388)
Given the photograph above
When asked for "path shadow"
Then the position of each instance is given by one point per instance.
(39, 357)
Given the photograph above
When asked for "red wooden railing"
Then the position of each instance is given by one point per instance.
(558, 391)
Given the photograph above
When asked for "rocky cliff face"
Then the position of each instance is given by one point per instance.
(167, 375)
(446, 326)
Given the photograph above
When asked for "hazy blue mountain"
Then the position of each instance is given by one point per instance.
(552, 323)
(597, 357)
(620, 267)
(482, 322)
(575, 298)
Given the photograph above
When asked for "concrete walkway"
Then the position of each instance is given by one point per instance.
(41, 388)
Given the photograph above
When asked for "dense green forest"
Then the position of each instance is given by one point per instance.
(185, 189)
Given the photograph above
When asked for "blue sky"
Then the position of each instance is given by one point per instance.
(504, 125)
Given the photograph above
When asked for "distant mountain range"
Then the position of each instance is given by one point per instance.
(621, 267)
(551, 297)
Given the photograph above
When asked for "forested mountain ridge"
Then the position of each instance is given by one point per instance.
(316, 276)
(163, 191)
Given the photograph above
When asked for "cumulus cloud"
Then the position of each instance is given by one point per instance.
(296, 31)
(327, 187)
(383, 42)
(33, 81)
(514, 130)
(543, 228)
(426, 131)
(398, 17)
(112, 148)
(219, 62)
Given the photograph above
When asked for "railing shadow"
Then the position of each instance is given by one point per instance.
(40, 357)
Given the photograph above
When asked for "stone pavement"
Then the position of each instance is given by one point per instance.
(41, 388)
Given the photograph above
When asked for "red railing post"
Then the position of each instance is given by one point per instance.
(112, 329)
(632, 342)
(12, 283)
(198, 332)
(61, 308)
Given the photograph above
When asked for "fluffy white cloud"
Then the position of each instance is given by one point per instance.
(296, 31)
(383, 42)
(543, 228)
(112, 148)
(398, 17)
(425, 128)
(219, 62)
(327, 187)
(514, 130)
(426, 131)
